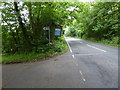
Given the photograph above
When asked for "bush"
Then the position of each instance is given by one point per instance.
(115, 40)
(55, 47)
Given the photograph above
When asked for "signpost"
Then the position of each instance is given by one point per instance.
(57, 31)
(47, 28)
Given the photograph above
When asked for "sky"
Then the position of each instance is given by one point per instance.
(86, 0)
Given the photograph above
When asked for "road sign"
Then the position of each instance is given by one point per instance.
(46, 28)
(57, 31)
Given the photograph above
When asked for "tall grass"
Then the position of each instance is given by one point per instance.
(56, 47)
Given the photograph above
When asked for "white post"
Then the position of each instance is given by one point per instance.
(49, 35)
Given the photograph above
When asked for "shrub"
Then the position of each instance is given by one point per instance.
(115, 40)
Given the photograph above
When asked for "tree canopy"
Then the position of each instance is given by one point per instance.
(23, 22)
(98, 21)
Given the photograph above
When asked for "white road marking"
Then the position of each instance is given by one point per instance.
(74, 61)
(87, 54)
(82, 76)
(73, 56)
(96, 48)
(69, 46)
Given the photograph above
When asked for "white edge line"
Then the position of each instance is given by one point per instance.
(69, 47)
(82, 76)
(96, 48)
(71, 51)
(73, 56)
(74, 61)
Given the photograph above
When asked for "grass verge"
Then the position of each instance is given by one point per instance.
(102, 42)
(59, 47)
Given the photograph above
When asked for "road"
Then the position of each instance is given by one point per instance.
(85, 65)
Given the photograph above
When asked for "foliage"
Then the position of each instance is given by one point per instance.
(98, 21)
(23, 23)
(57, 47)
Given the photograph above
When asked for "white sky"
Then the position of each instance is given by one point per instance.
(86, 0)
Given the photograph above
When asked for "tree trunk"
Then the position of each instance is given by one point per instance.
(22, 27)
(31, 20)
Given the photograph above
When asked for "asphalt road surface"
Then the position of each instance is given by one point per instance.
(85, 65)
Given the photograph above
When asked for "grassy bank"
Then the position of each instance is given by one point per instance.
(56, 47)
(106, 42)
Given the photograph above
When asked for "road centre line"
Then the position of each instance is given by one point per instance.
(96, 48)
(82, 76)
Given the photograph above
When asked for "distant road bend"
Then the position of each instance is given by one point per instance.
(85, 65)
